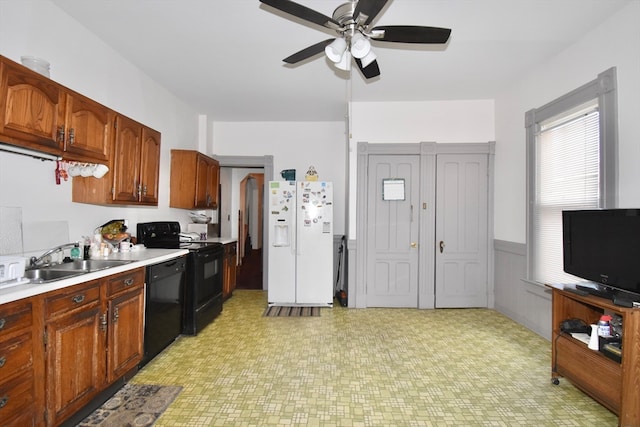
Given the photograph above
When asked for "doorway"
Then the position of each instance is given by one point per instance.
(250, 230)
(234, 169)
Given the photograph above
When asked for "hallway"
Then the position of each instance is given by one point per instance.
(365, 367)
(249, 274)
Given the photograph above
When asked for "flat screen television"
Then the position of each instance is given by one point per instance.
(603, 246)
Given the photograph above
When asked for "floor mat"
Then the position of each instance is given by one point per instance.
(279, 311)
(133, 405)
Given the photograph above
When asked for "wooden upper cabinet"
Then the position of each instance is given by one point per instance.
(87, 129)
(38, 113)
(31, 108)
(133, 178)
(203, 176)
(194, 180)
(150, 166)
(126, 160)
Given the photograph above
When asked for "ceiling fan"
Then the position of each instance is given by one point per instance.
(351, 21)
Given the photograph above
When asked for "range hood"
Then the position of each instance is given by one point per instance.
(28, 152)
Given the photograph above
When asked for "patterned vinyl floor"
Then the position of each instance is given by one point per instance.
(365, 367)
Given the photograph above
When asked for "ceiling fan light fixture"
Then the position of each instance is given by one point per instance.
(360, 45)
(368, 59)
(345, 62)
(335, 51)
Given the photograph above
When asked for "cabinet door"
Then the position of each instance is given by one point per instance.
(31, 108)
(87, 129)
(213, 181)
(126, 161)
(150, 166)
(202, 181)
(75, 362)
(126, 333)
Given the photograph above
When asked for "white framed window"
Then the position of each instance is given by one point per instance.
(571, 164)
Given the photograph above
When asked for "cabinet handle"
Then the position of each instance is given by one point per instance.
(60, 134)
(128, 282)
(144, 190)
(72, 136)
(78, 299)
(3, 321)
(103, 321)
(116, 315)
(3, 360)
(3, 401)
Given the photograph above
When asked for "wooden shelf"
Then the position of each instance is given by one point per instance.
(614, 385)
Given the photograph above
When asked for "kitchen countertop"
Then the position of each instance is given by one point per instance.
(223, 240)
(140, 257)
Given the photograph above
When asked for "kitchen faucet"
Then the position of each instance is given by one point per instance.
(35, 261)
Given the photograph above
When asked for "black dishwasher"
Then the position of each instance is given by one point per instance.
(164, 305)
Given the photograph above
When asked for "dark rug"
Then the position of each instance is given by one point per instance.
(278, 311)
(133, 405)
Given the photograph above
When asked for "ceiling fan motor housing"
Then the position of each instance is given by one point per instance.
(344, 13)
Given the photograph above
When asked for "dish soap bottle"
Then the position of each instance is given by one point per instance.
(75, 251)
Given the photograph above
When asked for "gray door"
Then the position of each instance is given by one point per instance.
(461, 230)
(392, 234)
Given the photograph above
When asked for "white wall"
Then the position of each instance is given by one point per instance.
(82, 62)
(294, 145)
(616, 42)
(414, 122)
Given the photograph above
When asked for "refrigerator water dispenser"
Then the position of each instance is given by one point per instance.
(281, 234)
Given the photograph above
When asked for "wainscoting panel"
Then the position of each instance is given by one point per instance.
(526, 303)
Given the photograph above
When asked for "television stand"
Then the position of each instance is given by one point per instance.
(613, 384)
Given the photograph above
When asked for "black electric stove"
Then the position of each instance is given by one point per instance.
(203, 290)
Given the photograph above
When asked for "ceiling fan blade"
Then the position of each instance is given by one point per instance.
(370, 71)
(307, 52)
(303, 12)
(410, 34)
(370, 8)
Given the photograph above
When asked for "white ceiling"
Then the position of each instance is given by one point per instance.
(224, 57)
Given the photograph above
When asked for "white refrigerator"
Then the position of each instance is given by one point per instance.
(300, 269)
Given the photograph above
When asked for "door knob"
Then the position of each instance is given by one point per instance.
(441, 246)
(414, 245)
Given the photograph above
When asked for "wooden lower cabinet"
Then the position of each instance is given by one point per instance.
(20, 395)
(613, 384)
(74, 351)
(229, 263)
(61, 349)
(125, 343)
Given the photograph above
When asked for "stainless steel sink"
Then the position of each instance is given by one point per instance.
(70, 269)
(89, 265)
(44, 275)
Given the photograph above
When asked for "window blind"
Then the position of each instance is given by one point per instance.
(567, 178)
